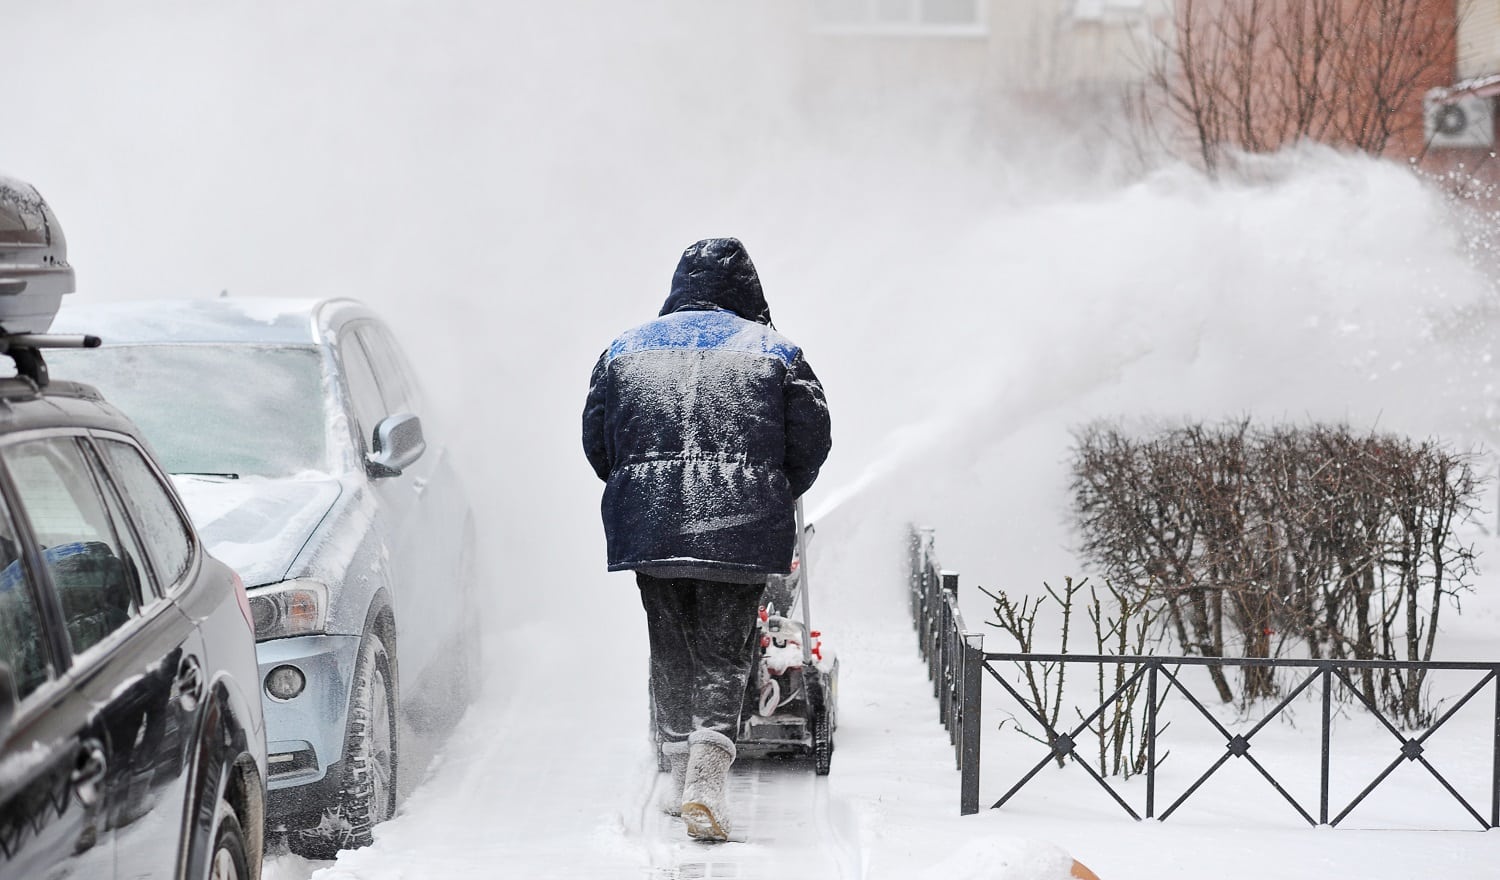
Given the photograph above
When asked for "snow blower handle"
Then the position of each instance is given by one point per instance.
(802, 567)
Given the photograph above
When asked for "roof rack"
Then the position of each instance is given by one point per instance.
(26, 350)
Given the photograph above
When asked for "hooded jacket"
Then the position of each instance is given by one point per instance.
(705, 424)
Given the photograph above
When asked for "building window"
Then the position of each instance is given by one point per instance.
(1105, 10)
(920, 17)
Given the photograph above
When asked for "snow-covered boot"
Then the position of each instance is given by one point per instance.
(709, 755)
(676, 754)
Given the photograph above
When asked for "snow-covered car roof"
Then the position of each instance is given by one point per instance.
(225, 319)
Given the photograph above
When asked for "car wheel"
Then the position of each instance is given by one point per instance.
(367, 794)
(229, 860)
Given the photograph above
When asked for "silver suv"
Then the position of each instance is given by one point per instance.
(293, 431)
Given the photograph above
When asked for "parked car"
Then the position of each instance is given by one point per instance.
(132, 740)
(292, 429)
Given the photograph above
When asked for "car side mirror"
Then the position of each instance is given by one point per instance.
(397, 444)
(8, 694)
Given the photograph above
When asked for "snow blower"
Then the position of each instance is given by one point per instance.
(792, 691)
(791, 697)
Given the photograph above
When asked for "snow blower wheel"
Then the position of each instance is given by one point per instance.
(822, 744)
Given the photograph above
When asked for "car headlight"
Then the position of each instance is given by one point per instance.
(290, 608)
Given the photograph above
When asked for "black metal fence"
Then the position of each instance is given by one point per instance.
(957, 663)
(955, 659)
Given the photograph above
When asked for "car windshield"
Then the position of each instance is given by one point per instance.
(232, 410)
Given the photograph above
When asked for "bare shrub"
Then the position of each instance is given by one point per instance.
(1259, 75)
(1253, 541)
(1044, 679)
(1123, 624)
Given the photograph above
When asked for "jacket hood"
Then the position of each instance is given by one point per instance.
(716, 273)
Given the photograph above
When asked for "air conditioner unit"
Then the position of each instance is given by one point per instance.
(1465, 122)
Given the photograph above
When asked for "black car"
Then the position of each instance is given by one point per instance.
(132, 743)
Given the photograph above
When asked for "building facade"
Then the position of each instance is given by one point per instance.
(977, 49)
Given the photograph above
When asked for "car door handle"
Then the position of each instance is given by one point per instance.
(88, 771)
(187, 689)
(419, 485)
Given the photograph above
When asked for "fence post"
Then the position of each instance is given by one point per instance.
(947, 662)
(914, 579)
(1151, 739)
(921, 587)
(952, 655)
(929, 617)
(950, 583)
(940, 654)
(969, 720)
(1327, 735)
(1495, 767)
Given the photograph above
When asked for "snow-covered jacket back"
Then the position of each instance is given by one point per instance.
(705, 425)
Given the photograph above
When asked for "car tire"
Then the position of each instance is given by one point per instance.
(229, 859)
(367, 793)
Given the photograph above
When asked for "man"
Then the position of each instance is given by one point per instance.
(705, 424)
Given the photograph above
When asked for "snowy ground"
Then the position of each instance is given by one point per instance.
(530, 785)
(511, 183)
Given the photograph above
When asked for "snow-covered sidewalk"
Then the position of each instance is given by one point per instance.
(549, 775)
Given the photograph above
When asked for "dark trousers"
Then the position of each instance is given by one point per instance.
(700, 652)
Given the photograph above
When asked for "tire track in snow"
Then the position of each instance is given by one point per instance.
(785, 825)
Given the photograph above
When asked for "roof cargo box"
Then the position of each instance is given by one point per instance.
(34, 270)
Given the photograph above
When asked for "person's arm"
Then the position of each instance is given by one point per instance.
(808, 430)
(594, 445)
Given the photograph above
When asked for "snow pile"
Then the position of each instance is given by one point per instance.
(1003, 858)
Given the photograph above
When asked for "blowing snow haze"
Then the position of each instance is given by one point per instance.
(511, 184)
